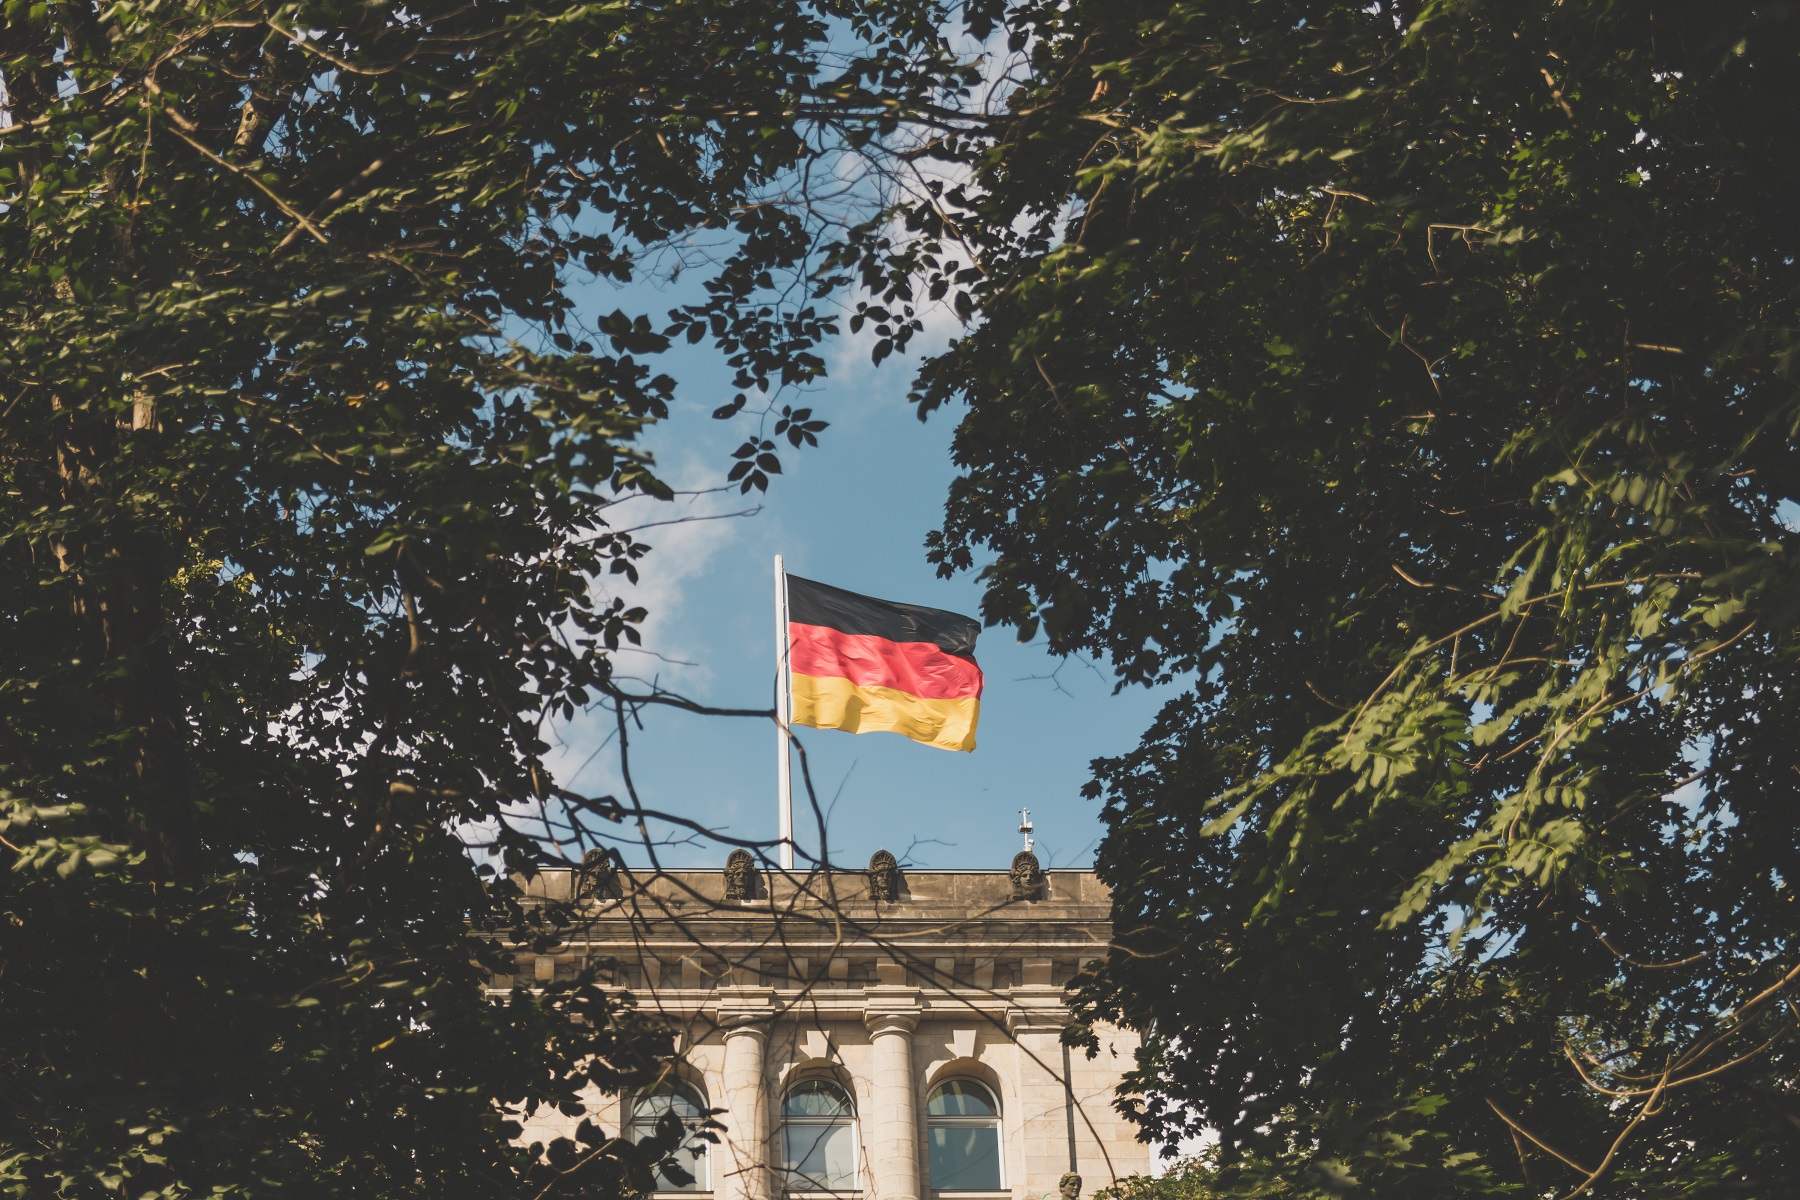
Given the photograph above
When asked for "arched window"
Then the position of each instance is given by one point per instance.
(962, 1125)
(818, 1137)
(688, 1107)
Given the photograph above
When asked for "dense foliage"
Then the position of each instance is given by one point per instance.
(308, 459)
(1187, 1179)
(1415, 382)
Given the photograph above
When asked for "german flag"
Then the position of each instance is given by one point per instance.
(862, 665)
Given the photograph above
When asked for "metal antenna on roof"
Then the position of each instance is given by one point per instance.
(1025, 827)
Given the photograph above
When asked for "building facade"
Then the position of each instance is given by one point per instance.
(890, 1034)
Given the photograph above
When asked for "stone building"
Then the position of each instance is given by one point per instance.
(891, 1034)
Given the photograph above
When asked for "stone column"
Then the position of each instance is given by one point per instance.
(740, 1167)
(890, 1131)
(1045, 1122)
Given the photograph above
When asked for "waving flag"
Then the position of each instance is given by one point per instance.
(861, 665)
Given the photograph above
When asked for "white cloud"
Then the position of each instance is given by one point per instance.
(685, 536)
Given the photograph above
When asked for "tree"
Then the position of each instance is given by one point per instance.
(1189, 1179)
(1415, 382)
(310, 464)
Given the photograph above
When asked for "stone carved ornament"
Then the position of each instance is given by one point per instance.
(1027, 876)
(884, 877)
(1070, 1186)
(599, 876)
(740, 876)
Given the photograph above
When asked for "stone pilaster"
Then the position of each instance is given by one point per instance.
(1045, 1122)
(891, 1129)
(740, 1169)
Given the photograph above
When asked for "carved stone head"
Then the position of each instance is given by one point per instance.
(884, 876)
(598, 878)
(740, 876)
(1070, 1186)
(1027, 876)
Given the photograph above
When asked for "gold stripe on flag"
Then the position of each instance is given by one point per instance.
(839, 704)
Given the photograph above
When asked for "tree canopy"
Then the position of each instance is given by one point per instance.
(310, 475)
(1413, 382)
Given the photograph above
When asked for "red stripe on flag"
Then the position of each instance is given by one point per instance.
(917, 668)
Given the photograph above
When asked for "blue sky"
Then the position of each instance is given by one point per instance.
(854, 512)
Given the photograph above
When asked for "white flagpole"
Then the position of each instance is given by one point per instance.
(784, 779)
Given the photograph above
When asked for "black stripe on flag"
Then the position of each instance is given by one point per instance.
(814, 603)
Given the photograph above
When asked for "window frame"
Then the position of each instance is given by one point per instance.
(996, 1122)
(852, 1122)
(637, 1125)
